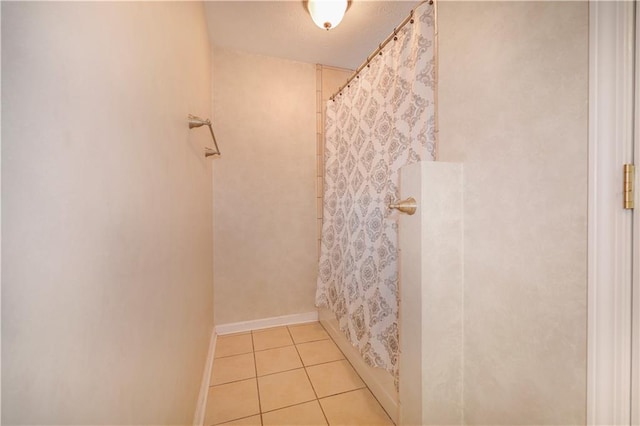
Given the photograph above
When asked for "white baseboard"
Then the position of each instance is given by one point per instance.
(379, 381)
(198, 418)
(239, 327)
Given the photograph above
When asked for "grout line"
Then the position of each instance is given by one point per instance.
(355, 390)
(383, 410)
(255, 366)
(275, 347)
(365, 383)
(343, 355)
(318, 398)
(306, 372)
(326, 331)
(316, 340)
(298, 352)
(309, 378)
(229, 356)
(234, 420)
(350, 390)
(283, 371)
(234, 381)
(329, 362)
(292, 405)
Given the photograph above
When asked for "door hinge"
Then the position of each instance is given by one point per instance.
(628, 189)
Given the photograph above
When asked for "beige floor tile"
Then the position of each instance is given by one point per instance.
(308, 332)
(277, 360)
(247, 421)
(232, 369)
(306, 414)
(233, 344)
(232, 401)
(319, 352)
(271, 338)
(334, 377)
(354, 408)
(284, 389)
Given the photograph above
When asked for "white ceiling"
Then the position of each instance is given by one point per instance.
(284, 29)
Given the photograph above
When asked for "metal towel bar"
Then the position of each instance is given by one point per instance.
(195, 121)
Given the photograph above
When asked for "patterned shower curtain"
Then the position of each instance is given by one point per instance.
(383, 121)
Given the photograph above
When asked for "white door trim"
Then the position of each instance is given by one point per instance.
(635, 349)
(609, 226)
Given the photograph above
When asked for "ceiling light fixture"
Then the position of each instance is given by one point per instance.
(327, 14)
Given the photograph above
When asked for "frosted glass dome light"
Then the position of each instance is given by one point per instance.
(327, 14)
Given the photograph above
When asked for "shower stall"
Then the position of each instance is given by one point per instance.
(387, 268)
(428, 389)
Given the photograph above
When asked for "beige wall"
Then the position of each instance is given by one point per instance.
(431, 314)
(264, 112)
(513, 109)
(106, 208)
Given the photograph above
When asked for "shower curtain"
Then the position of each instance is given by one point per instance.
(384, 120)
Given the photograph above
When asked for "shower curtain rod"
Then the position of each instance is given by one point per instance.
(392, 36)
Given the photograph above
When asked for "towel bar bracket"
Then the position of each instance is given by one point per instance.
(195, 121)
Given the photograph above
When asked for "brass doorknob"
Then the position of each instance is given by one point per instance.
(408, 206)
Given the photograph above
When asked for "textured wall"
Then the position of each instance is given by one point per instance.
(264, 111)
(431, 314)
(106, 208)
(513, 109)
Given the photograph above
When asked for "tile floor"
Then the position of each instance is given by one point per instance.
(292, 375)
